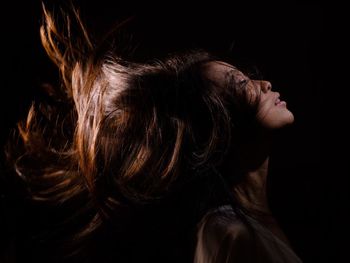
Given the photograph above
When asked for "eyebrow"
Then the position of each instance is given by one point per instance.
(232, 81)
(232, 74)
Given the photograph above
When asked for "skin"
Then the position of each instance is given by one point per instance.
(254, 152)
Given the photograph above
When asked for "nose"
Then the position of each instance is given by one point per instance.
(265, 86)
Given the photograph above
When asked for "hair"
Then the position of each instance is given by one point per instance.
(121, 133)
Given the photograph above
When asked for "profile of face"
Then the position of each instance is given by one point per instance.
(272, 112)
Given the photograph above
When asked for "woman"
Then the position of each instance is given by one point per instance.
(222, 236)
(157, 161)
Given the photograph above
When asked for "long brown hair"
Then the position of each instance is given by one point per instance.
(123, 132)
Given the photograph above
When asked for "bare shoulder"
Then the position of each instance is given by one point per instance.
(222, 236)
(222, 223)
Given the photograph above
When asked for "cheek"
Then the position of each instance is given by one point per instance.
(251, 94)
(265, 109)
(264, 114)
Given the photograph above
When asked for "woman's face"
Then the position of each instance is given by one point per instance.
(272, 112)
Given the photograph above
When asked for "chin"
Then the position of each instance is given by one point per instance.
(278, 122)
(291, 119)
(288, 118)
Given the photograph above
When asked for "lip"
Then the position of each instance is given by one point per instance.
(279, 102)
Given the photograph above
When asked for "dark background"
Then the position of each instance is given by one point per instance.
(280, 41)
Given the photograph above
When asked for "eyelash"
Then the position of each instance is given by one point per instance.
(242, 83)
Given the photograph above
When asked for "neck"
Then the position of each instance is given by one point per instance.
(254, 153)
(253, 165)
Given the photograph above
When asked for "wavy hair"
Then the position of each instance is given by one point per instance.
(122, 132)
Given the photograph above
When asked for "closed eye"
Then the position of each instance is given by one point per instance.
(242, 83)
(233, 79)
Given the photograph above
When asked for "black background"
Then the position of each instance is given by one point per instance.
(283, 41)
